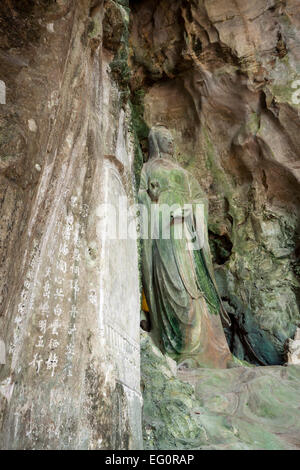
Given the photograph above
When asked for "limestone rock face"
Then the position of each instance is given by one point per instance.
(69, 295)
(223, 76)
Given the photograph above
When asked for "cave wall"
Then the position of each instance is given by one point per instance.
(69, 295)
(223, 76)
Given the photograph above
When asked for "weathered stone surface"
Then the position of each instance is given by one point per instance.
(235, 409)
(69, 295)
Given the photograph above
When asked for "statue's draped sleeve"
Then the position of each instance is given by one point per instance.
(198, 198)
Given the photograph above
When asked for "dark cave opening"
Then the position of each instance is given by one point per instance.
(221, 247)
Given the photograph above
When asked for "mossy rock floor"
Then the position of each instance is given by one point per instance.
(239, 408)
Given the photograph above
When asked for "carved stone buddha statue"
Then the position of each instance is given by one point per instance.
(185, 308)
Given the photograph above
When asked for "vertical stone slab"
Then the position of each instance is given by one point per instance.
(119, 280)
(71, 316)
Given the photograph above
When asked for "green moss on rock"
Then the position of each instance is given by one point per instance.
(244, 408)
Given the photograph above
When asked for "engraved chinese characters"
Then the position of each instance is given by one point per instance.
(178, 276)
(56, 309)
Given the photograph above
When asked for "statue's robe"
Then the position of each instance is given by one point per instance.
(179, 282)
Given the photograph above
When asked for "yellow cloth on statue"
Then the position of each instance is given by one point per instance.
(145, 307)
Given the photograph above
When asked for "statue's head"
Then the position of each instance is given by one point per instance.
(160, 142)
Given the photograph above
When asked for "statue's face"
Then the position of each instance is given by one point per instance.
(166, 143)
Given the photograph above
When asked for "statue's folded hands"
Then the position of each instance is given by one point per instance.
(182, 212)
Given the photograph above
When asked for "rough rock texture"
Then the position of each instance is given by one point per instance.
(224, 77)
(235, 409)
(69, 296)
